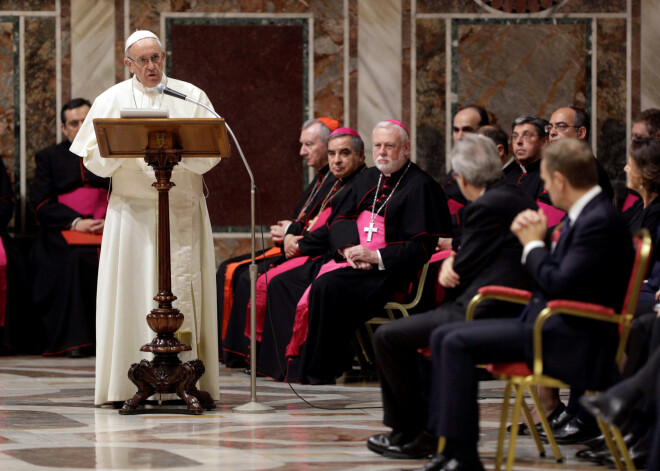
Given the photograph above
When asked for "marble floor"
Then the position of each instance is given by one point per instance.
(48, 422)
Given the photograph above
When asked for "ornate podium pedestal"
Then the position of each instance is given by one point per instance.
(166, 373)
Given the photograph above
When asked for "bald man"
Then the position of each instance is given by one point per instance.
(572, 121)
(466, 121)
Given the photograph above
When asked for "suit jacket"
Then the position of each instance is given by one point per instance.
(591, 263)
(490, 253)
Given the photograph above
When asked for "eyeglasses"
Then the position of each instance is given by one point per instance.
(156, 59)
(526, 136)
(560, 127)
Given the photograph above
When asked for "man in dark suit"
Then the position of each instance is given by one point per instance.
(591, 263)
(489, 253)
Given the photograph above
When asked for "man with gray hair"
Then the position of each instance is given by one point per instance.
(381, 239)
(232, 276)
(489, 254)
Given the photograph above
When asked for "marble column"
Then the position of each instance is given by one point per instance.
(650, 68)
(92, 47)
(379, 63)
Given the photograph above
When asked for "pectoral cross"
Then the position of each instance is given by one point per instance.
(370, 230)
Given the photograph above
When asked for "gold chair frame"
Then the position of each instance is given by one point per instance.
(390, 307)
(529, 382)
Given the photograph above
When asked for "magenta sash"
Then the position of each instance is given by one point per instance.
(320, 220)
(302, 309)
(263, 280)
(454, 206)
(553, 214)
(262, 295)
(87, 201)
(628, 203)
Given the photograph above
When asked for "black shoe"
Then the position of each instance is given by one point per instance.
(382, 441)
(424, 446)
(436, 463)
(597, 442)
(440, 463)
(575, 431)
(560, 420)
(82, 352)
(598, 453)
(523, 429)
(639, 454)
(610, 410)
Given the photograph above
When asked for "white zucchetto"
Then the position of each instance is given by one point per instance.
(139, 34)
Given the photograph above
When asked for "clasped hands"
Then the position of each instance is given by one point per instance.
(530, 225)
(359, 257)
(91, 226)
(277, 231)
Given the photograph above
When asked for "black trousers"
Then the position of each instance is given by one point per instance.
(403, 372)
(455, 350)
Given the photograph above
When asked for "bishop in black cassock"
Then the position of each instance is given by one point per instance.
(232, 276)
(409, 212)
(64, 275)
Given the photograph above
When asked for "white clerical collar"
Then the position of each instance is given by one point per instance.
(138, 85)
(582, 201)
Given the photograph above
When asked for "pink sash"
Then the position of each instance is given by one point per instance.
(262, 295)
(553, 214)
(87, 201)
(3, 283)
(454, 206)
(628, 203)
(320, 220)
(302, 309)
(263, 280)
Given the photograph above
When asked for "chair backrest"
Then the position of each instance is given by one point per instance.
(642, 245)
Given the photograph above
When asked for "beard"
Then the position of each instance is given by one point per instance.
(388, 166)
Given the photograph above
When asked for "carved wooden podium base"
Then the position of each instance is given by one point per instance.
(165, 374)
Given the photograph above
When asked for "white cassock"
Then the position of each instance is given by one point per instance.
(128, 269)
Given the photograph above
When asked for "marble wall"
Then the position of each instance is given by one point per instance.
(575, 53)
(419, 61)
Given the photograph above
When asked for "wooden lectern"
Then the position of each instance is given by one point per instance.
(163, 143)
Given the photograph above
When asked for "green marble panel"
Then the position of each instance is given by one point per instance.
(448, 6)
(431, 97)
(40, 88)
(526, 66)
(9, 95)
(28, 5)
(611, 98)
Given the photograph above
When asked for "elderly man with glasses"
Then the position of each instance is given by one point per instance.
(128, 266)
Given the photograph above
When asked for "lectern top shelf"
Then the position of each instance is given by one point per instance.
(129, 138)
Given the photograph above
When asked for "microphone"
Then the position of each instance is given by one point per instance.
(161, 88)
(168, 91)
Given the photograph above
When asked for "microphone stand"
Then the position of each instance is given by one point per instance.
(254, 406)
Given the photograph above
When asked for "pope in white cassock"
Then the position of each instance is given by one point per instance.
(128, 270)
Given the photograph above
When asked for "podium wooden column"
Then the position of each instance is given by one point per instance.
(163, 143)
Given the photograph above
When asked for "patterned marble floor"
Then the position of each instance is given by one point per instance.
(48, 422)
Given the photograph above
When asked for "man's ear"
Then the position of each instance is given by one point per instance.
(582, 133)
(559, 178)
